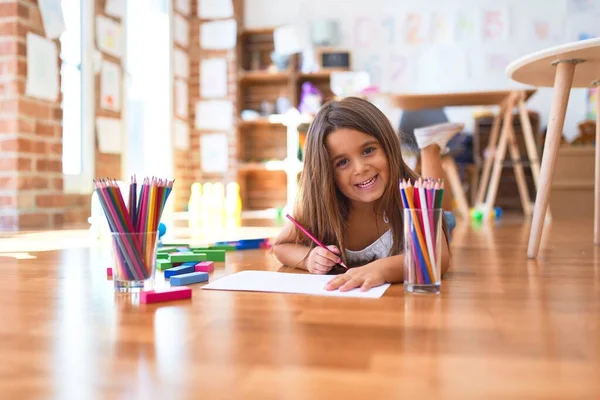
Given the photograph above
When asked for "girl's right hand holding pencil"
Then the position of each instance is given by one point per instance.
(321, 261)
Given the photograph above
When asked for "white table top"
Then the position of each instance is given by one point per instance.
(537, 69)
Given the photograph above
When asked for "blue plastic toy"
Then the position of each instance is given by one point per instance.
(162, 229)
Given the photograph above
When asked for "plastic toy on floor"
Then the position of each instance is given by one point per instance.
(477, 214)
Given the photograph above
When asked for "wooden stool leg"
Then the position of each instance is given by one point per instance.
(515, 156)
(597, 183)
(562, 87)
(451, 171)
(489, 158)
(532, 153)
(490, 200)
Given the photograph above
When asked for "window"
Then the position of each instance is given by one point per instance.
(77, 95)
(148, 90)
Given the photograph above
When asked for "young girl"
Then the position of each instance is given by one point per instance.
(349, 197)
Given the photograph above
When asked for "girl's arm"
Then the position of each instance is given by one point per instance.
(376, 273)
(289, 252)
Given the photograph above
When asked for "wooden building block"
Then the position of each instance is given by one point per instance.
(163, 264)
(187, 279)
(182, 269)
(205, 266)
(212, 254)
(186, 257)
(177, 293)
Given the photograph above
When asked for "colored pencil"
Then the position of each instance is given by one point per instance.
(314, 239)
(427, 228)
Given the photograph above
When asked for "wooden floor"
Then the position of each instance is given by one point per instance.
(503, 327)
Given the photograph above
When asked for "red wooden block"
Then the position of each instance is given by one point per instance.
(172, 293)
(205, 266)
(109, 271)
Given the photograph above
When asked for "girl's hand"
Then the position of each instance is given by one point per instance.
(365, 277)
(321, 261)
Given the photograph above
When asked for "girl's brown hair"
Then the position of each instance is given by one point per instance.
(320, 206)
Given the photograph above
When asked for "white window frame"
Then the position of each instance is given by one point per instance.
(82, 182)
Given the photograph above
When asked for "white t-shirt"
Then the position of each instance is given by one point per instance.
(378, 249)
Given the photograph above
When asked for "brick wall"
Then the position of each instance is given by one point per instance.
(31, 184)
(31, 181)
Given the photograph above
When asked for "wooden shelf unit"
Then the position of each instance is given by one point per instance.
(268, 164)
(259, 121)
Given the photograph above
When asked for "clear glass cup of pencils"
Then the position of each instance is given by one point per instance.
(134, 260)
(423, 250)
(134, 229)
(423, 236)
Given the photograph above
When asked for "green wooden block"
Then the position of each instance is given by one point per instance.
(216, 255)
(166, 250)
(226, 247)
(186, 257)
(163, 264)
(175, 244)
(198, 249)
(162, 256)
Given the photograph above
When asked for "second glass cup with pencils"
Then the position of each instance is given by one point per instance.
(423, 250)
(422, 234)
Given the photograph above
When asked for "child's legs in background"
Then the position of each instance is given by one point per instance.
(431, 167)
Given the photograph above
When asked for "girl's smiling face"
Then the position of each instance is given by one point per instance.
(360, 165)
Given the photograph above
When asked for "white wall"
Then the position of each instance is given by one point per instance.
(376, 32)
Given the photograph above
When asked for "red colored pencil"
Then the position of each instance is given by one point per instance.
(314, 239)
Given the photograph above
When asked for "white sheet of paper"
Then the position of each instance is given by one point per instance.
(108, 36)
(215, 9)
(183, 6)
(42, 68)
(109, 135)
(181, 30)
(467, 26)
(110, 86)
(442, 28)
(214, 114)
(116, 8)
(181, 98)
(268, 281)
(96, 61)
(583, 6)
(349, 83)
(287, 40)
(214, 152)
(218, 35)
(181, 64)
(417, 27)
(52, 15)
(580, 27)
(496, 24)
(213, 77)
(182, 135)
